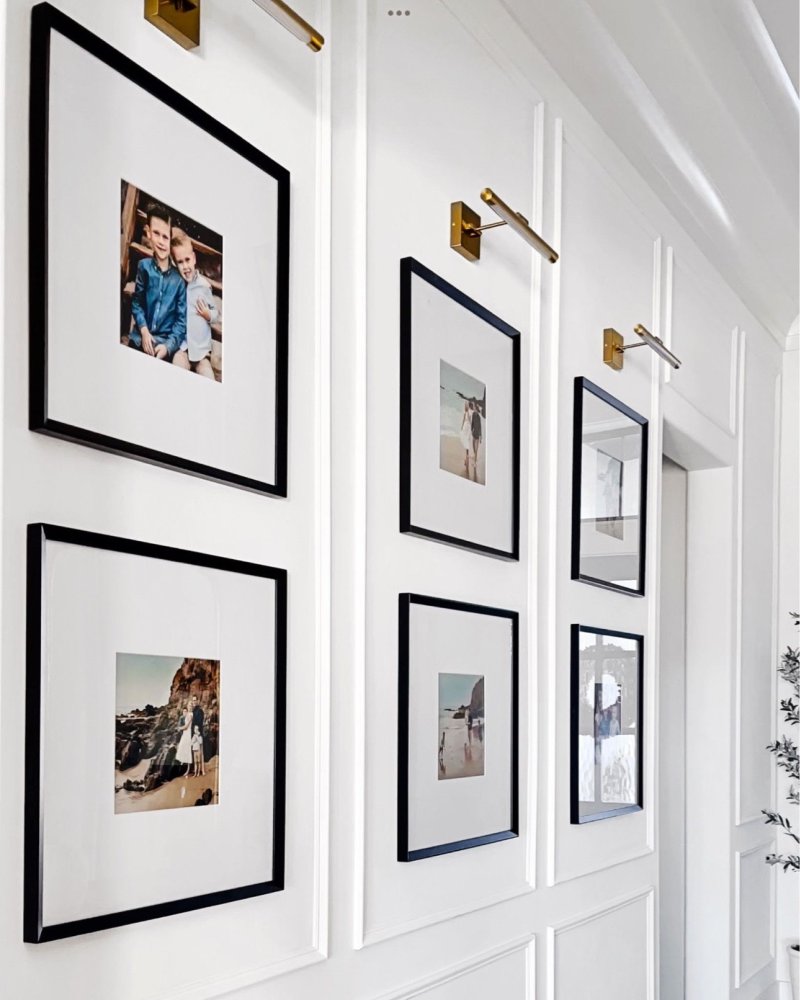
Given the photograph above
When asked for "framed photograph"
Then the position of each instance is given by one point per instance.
(155, 731)
(607, 712)
(609, 491)
(458, 726)
(178, 237)
(459, 417)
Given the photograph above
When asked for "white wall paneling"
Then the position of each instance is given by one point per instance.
(397, 117)
(758, 442)
(610, 277)
(609, 950)
(702, 333)
(754, 912)
(788, 888)
(253, 940)
(512, 964)
(460, 147)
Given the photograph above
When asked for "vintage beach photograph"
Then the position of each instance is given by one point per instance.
(462, 729)
(462, 424)
(167, 732)
(171, 284)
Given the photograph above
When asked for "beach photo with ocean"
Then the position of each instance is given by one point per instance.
(462, 424)
(462, 726)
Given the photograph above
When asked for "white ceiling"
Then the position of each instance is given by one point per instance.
(701, 95)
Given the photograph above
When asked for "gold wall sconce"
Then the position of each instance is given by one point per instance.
(466, 229)
(614, 347)
(180, 19)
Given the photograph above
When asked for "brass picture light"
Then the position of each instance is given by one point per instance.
(466, 229)
(614, 347)
(180, 19)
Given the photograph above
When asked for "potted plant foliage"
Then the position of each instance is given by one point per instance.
(785, 752)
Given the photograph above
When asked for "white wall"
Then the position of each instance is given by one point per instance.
(397, 118)
(788, 912)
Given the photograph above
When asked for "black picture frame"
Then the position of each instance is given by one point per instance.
(575, 817)
(408, 268)
(405, 601)
(34, 930)
(46, 19)
(581, 386)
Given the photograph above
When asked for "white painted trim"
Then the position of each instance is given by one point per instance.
(359, 514)
(733, 393)
(793, 342)
(648, 894)
(534, 349)
(323, 516)
(548, 607)
(776, 571)
(669, 291)
(740, 978)
(653, 565)
(738, 582)
(380, 934)
(421, 986)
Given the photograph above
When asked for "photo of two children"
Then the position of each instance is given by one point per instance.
(171, 285)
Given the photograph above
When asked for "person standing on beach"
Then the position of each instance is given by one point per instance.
(198, 720)
(465, 435)
(183, 754)
(477, 435)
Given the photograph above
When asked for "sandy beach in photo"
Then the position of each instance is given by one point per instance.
(462, 757)
(462, 725)
(173, 794)
(451, 458)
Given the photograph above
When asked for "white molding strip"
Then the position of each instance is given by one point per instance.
(669, 291)
(597, 913)
(548, 608)
(359, 514)
(323, 518)
(776, 564)
(740, 977)
(427, 983)
(653, 569)
(733, 394)
(738, 583)
(534, 349)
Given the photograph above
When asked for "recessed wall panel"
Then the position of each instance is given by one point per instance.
(607, 955)
(754, 912)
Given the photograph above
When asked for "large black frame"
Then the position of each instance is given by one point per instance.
(34, 931)
(584, 385)
(45, 20)
(409, 267)
(574, 807)
(404, 608)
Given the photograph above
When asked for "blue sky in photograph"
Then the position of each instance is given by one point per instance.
(143, 680)
(455, 380)
(455, 690)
